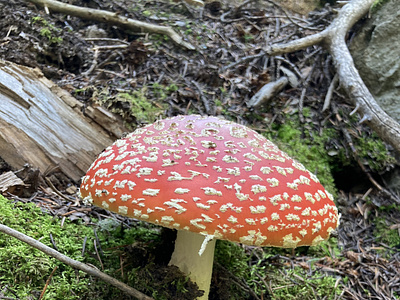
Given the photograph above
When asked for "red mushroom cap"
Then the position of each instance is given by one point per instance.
(213, 177)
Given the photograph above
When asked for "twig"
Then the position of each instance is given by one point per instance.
(121, 263)
(119, 41)
(112, 18)
(47, 282)
(210, 108)
(97, 254)
(51, 185)
(329, 94)
(94, 63)
(291, 65)
(296, 45)
(110, 47)
(74, 263)
(303, 93)
(53, 242)
(84, 246)
(242, 60)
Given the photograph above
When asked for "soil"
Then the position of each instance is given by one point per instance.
(98, 62)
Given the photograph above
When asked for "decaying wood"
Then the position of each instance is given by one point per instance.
(9, 181)
(112, 18)
(267, 92)
(333, 39)
(42, 125)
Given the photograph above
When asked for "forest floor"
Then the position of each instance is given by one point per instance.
(142, 77)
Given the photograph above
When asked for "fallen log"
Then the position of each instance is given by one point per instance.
(42, 125)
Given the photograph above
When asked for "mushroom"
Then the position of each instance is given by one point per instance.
(210, 179)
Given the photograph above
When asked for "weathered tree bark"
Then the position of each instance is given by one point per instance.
(42, 125)
(333, 39)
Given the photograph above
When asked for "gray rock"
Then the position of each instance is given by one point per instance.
(376, 53)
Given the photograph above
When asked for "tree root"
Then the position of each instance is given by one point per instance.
(333, 39)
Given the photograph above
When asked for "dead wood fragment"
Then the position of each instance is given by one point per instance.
(333, 39)
(267, 92)
(112, 18)
(196, 3)
(9, 182)
(42, 125)
(329, 93)
(74, 263)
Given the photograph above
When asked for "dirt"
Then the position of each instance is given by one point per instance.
(216, 80)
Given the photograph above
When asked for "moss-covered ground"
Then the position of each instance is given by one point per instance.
(154, 77)
(129, 255)
(126, 254)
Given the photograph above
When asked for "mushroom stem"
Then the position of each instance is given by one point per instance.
(186, 257)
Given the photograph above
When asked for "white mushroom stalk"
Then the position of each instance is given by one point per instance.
(216, 179)
(190, 261)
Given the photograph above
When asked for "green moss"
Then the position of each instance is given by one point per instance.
(114, 233)
(25, 270)
(329, 248)
(384, 234)
(142, 109)
(256, 272)
(163, 283)
(147, 13)
(172, 88)
(188, 30)
(377, 5)
(299, 284)
(308, 147)
(48, 30)
(135, 105)
(374, 153)
(233, 258)
(320, 152)
(248, 38)
(306, 112)
(159, 91)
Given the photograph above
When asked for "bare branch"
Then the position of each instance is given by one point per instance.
(298, 44)
(74, 263)
(329, 93)
(112, 18)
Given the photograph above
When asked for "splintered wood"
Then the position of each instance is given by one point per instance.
(9, 182)
(42, 125)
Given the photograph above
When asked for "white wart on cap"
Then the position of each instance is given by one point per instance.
(213, 177)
